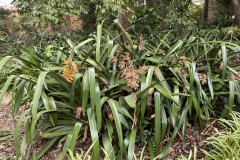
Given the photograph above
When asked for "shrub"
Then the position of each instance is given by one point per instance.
(228, 33)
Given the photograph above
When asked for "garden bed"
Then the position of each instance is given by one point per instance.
(192, 138)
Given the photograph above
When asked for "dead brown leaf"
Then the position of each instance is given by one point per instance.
(85, 134)
(135, 98)
(134, 119)
(79, 110)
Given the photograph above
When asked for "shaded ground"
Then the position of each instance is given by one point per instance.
(192, 138)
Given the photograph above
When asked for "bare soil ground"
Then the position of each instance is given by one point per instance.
(192, 138)
(7, 122)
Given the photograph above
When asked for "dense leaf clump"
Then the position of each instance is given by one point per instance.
(113, 90)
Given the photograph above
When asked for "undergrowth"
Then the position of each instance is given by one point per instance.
(225, 144)
(110, 90)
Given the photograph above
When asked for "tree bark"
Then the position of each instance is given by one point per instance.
(205, 12)
(233, 8)
(124, 20)
(211, 7)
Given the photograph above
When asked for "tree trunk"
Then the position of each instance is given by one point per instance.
(211, 8)
(205, 12)
(68, 27)
(233, 8)
(89, 20)
(124, 20)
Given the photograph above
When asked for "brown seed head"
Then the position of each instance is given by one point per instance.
(126, 57)
(113, 59)
(202, 78)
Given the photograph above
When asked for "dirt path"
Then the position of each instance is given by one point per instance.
(8, 123)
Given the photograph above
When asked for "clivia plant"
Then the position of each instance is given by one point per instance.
(111, 91)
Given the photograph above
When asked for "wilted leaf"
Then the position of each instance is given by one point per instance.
(79, 110)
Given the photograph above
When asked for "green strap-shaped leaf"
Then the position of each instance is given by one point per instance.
(148, 83)
(125, 32)
(231, 94)
(176, 129)
(173, 49)
(14, 91)
(98, 42)
(47, 105)
(16, 133)
(81, 44)
(196, 104)
(108, 146)
(224, 58)
(48, 50)
(166, 94)
(55, 133)
(176, 108)
(98, 106)
(46, 147)
(111, 51)
(65, 147)
(123, 110)
(164, 123)
(94, 133)
(72, 45)
(157, 100)
(109, 128)
(162, 41)
(72, 93)
(113, 107)
(3, 61)
(150, 148)
(5, 87)
(131, 146)
(162, 79)
(76, 131)
(130, 100)
(34, 122)
(114, 70)
(37, 94)
(53, 107)
(91, 73)
(210, 85)
(19, 97)
(120, 27)
(85, 94)
(184, 131)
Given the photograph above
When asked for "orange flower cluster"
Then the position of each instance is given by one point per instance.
(70, 70)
